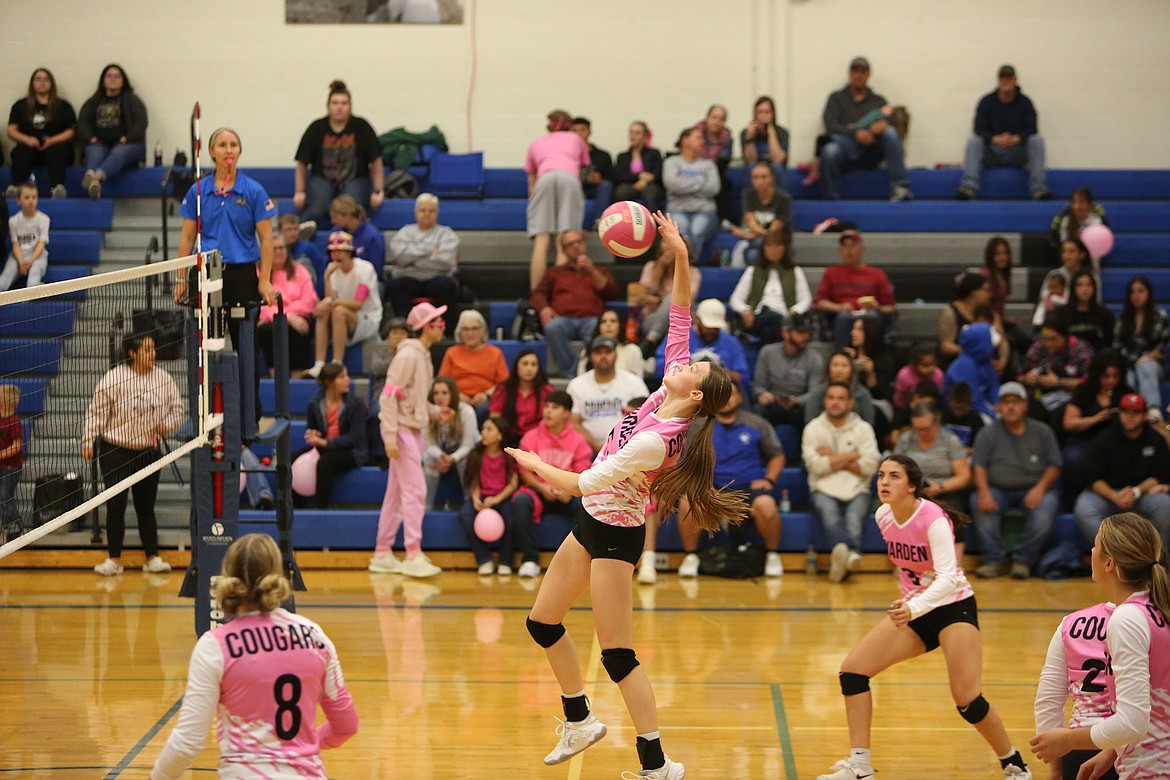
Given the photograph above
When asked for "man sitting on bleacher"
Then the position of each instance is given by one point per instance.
(602, 395)
(569, 298)
(784, 373)
(853, 289)
(424, 257)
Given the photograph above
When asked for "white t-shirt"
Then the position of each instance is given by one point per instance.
(602, 406)
(28, 232)
(347, 285)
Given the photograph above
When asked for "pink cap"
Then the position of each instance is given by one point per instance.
(422, 313)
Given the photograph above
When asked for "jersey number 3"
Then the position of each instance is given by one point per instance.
(287, 691)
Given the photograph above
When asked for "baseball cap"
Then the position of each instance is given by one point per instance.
(1007, 72)
(859, 63)
(602, 342)
(712, 314)
(339, 239)
(1012, 388)
(1133, 401)
(848, 234)
(799, 322)
(422, 313)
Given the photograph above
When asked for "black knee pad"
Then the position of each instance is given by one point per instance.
(852, 684)
(976, 711)
(619, 662)
(545, 635)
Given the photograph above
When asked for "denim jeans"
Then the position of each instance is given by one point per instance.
(842, 520)
(698, 226)
(319, 193)
(1037, 526)
(111, 159)
(255, 483)
(481, 549)
(844, 149)
(36, 272)
(9, 479)
(558, 333)
(980, 155)
(1146, 376)
(1091, 509)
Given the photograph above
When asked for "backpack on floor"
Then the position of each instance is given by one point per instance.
(737, 561)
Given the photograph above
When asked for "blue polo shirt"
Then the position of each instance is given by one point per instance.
(743, 448)
(229, 218)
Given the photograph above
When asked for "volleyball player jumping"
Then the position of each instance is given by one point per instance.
(643, 458)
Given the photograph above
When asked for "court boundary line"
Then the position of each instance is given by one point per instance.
(785, 734)
(143, 741)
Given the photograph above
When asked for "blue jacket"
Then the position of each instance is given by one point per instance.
(993, 117)
(973, 366)
(351, 423)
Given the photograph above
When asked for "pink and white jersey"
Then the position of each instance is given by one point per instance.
(1090, 678)
(616, 488)
(264, 675)
(1148, 757)
(923, 549)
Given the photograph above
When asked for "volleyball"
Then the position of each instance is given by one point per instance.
(626, 229)
(489, 525)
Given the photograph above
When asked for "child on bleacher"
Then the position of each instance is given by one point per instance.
(922, 366)
(975, 366)
(1055, 295)
(30, 240)
(959, 417)
(490, 479)
(447, 444)
(11, 454)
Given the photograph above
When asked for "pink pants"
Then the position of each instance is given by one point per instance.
(406, 495)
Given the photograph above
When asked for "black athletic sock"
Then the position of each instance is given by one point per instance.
(576, 708)
(650, 753)
(1014, 759)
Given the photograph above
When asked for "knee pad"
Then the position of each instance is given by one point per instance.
(852, 684)
(976, 711)
(545, 635)
(619, 662)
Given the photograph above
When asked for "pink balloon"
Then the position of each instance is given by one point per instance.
(489, 525)
(304, 473)
(243, 481)
(1098, 239)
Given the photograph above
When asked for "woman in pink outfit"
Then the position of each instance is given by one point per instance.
(642, 459)
(295, 286)
(556, 200)
(404, 413)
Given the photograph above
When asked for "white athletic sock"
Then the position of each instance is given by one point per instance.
(859, 757)
(574, 695)
(650, 736)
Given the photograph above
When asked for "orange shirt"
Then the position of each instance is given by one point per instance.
(474, 371)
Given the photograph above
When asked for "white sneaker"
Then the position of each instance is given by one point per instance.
(843, 770)
(486, 568)
(529, 569)
(156, 565)
(307, 230)
(315, 369)
(854, 562)
(504, 570)
(419, 566)
(689, 566)
(671, 770)
(839, 562)
(647, 574)
(774, 566)
(1013, 772)
(575, 737)
(108, 568)
(385, 563)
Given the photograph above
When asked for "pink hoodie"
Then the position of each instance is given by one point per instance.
(298, 293)
(408, 381)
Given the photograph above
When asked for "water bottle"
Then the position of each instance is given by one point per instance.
(158, 154)
(499, 333)
(785, 504)
(810, 562)
(725, 258)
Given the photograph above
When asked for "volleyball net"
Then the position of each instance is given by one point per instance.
(87, 364)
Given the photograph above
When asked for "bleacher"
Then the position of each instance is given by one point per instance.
(921, 244)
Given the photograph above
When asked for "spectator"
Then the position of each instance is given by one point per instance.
(709, 337)
(569, 298)
(1055, 296)
(424, 256)
(921, 366)
(447, 443)
(308, 254)
(597, 177)
(1074, 258)
(771, 289)
(1055, 365)
(766, 209)
(1089, 321)
(975, 368)
(112, 126)
(856, 119)
(785, 373)
(1017, 463)
(748, 458)
(1091, 410)
(657, 279)
(336, 429)
(1005, 135)
(1140, 336)
(871, 360)
(338, 155)
(925, 392)
(558, 444)
(256, 490)
(971, 302)
(133, 404)
(520, 398)
(853, 289)
(30, 241)
(556, 202)
(959, 416)
(491, 479)
(840, 452)
(292, 281)
(840, 370)
(368, 242)
(692, 184)
(380, 358)
(765, 141)
(637, 174)
(41, 127)
(1080, 212)
(11, 458)
(351, 310)
(629, 355)
(942, 458)
(602, 395)
(1128, 470)
(475, 365)
(717, 149)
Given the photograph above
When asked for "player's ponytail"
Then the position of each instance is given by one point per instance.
(1135, 546)
(253, 576)
(693, 474)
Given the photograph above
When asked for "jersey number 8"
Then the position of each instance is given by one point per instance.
(287, 705)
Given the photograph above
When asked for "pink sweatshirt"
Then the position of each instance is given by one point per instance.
(403, 402)
(907, 379)
(560, 151)
(298, 293)
(567, 450)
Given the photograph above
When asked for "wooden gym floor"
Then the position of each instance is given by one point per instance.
(449, 685)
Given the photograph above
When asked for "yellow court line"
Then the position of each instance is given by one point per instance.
(578, 760)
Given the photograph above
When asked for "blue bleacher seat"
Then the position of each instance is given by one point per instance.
(1140, 249)
(59, 273)
(38, 318)
(505, 183)
(456, 175)
(789, 437)
(34, 391)
(75, 247)
(719, 282)
(74, 213)
(299, 393)
(296, 433)
(29, 356)
(500, 315)
(513, 348)
(1114, 282)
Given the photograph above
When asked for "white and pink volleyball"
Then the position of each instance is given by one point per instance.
(626, 229)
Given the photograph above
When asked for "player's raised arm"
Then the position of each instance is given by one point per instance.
(681, 291)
